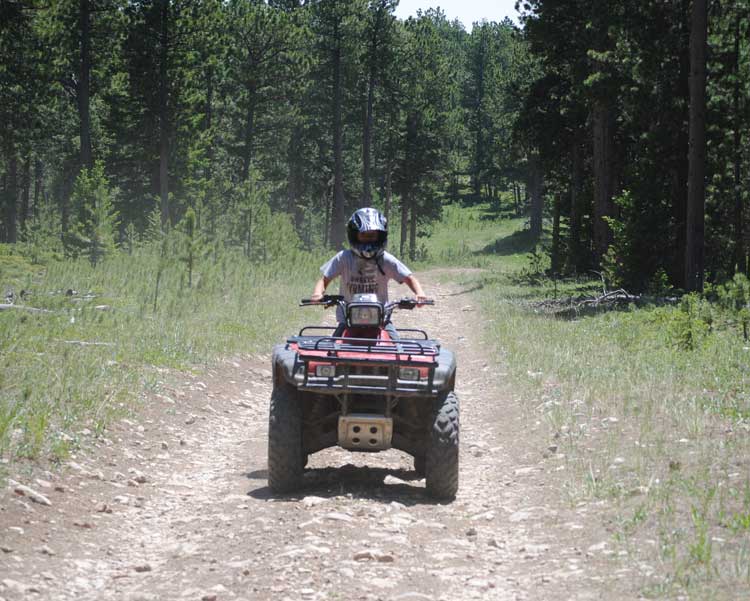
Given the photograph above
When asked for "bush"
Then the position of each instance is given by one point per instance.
(92, 233)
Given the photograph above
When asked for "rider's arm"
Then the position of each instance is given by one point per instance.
(320, 288)
(416, 287)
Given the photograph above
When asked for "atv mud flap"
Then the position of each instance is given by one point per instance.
(365, 432)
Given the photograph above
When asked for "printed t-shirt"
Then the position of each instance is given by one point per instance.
(362, 276)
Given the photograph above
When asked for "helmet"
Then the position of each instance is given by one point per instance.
(367, 220)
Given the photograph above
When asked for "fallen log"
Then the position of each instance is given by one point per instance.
(6, 307)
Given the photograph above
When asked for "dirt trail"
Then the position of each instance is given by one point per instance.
(175, 506)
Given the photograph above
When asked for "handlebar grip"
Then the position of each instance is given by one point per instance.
(327, 299)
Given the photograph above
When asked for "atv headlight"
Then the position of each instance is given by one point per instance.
(408, 373)
(364, 315)
(325, 371)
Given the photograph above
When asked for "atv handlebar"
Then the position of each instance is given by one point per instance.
(331, 300)
(327, 300)
(409, 303)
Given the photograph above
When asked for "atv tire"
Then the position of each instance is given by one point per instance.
(285, 458)
(441, 465)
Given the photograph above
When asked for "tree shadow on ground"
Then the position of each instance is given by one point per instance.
(522, 241)
(358, 481)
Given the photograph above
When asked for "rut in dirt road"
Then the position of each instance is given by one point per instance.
(176, 506)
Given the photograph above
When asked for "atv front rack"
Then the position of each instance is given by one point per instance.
(366, 365)
(335, 345)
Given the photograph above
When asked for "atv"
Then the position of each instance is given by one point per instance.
(366, 387)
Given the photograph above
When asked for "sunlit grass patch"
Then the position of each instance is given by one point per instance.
(648, 408)
(66, 371)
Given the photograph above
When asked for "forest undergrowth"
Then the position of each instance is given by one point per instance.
(649, 408)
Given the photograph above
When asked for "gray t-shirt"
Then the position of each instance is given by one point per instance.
(362, 276)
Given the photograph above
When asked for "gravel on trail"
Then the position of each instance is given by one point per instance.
(173, 503)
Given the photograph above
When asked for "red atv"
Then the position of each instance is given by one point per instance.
(366, 391)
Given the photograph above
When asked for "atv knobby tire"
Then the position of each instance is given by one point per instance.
(419, 461)
(441, 465)
(285, 458)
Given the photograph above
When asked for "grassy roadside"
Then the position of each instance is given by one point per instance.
(101, 340)
(649, 410)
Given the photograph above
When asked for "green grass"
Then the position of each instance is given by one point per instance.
(648, 406)
(466, 237)
(65, 373)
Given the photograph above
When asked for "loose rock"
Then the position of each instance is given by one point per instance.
(25, 491)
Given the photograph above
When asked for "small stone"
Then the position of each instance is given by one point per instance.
(190, 420)
(312, 501)
(164, 446)
(5, 549)
(86, 525)
(144, 567)
(14, 586)
(104, 508)
(45, 550)
(25, 491)
(392, 480)
(138, 476)
(363, 556)
(60, 488)
(183, 442)
(339, 517)
(385, 558)
(211, 597)
(471, 532)
(552, 448)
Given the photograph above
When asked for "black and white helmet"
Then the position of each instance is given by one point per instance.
(367, 220)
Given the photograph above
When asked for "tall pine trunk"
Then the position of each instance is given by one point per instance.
(555, 267)
(740, 256)
(164, 113)
(536, 186)
(247, 150)
(38, 185)
(10, 233)
(694, 241)
(602, 124)
(209, 113)
(388, 188)
(84, 81)
(295, 177)
(337, 210)
(405, 203)
(25, 192)
(413, 231)
(367, 133)
(576, 211)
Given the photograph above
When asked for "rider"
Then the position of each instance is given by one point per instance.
(366, 267)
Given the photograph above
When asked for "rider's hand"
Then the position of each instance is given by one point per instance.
(316, 297)
(420, 300)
